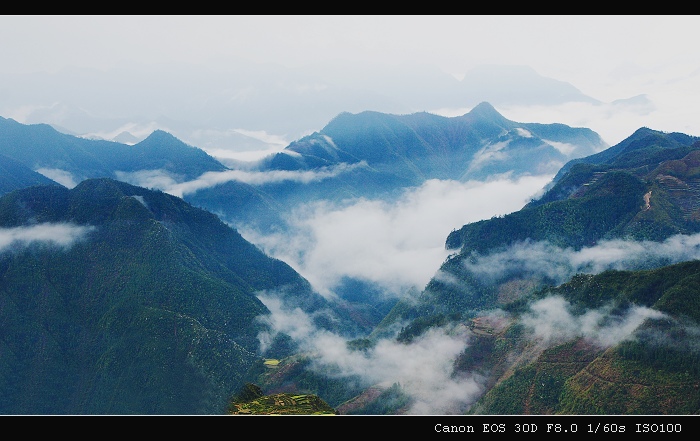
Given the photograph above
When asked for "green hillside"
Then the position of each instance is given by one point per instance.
(14, 175)
(152, 311)
(648, 201)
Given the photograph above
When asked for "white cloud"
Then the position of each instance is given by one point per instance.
(62, 235)
(63, 177)
(560, 264)
(551, 322)
(563, 147)
(154, 179)
(394, 245)
(489, 153)
(140, 199)
(261, 135)
(235, 145)
(423, 368)
(233, 157)
(523, 132)
(165, 181)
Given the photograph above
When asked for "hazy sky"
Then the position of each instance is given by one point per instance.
(596, 53)
(605, 57)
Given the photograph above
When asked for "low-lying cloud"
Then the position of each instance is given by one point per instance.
(551, 322)
(560, 264)
(169, 183)
(233, 146)
(422, 368)
(396, 245)
(62, 235)
(63, 177)
(153, 179)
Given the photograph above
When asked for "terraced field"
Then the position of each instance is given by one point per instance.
(283, 404)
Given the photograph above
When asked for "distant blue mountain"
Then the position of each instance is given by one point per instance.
(520, 85)
(41, 146)
(378, 155)
(15, 175)
(369, 154)
(424, 146)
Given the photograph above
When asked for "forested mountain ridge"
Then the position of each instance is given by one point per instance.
(651, 198)
(635, 148)
(15, 175)
(158, 159)
(653, 371)
(117, 299)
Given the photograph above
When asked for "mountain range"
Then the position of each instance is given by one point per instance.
(120, 298)
(377, 155)
(368, 155)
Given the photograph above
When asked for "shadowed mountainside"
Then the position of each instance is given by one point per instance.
(121, 300)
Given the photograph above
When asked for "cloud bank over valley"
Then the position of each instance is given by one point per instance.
(395, 245)
(560, 264)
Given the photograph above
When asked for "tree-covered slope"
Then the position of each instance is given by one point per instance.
(116, 299)
(611, 239)
(648, 200)
(15, 175)
(637, 148)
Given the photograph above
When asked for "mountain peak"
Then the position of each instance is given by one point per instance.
(644, 131)
(485, 110)
(160, 135)
(162, 139)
